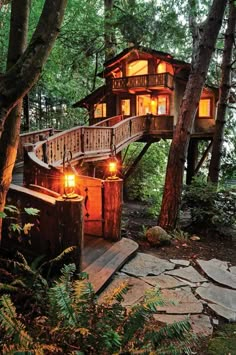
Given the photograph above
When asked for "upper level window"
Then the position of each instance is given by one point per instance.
(138, 67)
(100, 110)
(163, 105)
(125, 107)
(205, 107)
(164, 67)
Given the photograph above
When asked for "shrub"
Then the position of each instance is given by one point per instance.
(210, 208)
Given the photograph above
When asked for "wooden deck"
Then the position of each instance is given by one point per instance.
(101, 258)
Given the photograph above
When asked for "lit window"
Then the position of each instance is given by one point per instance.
(164, 67)
(138, 67)
(100, 110)
(205, 108)
(125, 107)
(163, 105)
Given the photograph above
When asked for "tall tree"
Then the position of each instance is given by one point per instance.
(18, 80)
(225, 87)
(109, 30)
(203, 48)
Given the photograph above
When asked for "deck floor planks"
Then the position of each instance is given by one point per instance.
(108, 263)
(94, 247)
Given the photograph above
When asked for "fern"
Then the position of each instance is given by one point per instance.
(61, 300)
(11, 324)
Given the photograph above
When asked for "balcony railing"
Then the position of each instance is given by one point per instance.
(164, 80)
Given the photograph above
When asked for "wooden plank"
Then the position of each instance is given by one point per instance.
(104, 267)
(94, 247)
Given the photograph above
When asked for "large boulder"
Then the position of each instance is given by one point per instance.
(157, 236)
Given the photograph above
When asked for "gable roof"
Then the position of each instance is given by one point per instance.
(111, 63)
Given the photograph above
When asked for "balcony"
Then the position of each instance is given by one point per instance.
(140, 82)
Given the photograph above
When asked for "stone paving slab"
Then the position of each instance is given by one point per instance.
(187, 273)
(200, 323)
(180, 262)
(180, 301)
(145, 264)
(233, 269)
(135, 294)
(217, 270)
(218, 295)
(223, 312)
(163, 281)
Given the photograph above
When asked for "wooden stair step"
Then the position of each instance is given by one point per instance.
(107, 264)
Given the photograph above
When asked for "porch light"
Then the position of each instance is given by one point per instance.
(69, 177)
(113, 167)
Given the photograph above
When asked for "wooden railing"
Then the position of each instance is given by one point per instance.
(98, 141)
(145, 81)
(32, 137)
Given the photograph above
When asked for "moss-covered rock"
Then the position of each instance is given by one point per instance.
(157, 236)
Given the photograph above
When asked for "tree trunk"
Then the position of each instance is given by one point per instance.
(208, 33)
(109, 31)
(11, 130)
(225, 87)
(18, 80)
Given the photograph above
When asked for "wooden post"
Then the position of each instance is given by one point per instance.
(71, 226)
(29, 173)
(191, 160)
(112, 208)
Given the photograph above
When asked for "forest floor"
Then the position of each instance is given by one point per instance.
(136, 220)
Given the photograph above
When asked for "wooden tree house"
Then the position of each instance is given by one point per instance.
(141, 81)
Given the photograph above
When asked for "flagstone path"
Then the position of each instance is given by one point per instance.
(187, 292)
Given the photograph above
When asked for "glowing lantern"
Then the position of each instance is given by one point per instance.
(69, 179)
(112, 168)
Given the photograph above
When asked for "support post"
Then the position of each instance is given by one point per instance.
(191, 160)
(69, 214)
(112, 208)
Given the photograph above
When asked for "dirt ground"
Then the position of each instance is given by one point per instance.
(136, 221)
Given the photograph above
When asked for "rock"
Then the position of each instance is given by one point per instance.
(219, 296)
(223, 312)
(180, 262)
(180, 301)
(233, 269)
(217, 270)
(200, 323)
(163, 281)
(187, 273)
(145, 264)
(157, 236)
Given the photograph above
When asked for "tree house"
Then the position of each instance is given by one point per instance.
(141, 81)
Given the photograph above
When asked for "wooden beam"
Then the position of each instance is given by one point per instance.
(203, 158)
(191, 160)
(136, 161)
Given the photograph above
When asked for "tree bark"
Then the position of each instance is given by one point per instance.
(109, 31)
(208, 33)
(225, 87)
(11, 130)
(18, 80)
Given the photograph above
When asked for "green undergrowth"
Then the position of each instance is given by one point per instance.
(64, 316)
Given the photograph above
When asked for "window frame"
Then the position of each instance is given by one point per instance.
(210, 108)
(103, 110)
